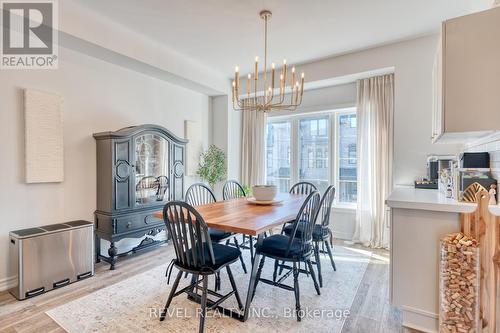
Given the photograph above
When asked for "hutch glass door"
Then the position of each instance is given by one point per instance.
(151, 169)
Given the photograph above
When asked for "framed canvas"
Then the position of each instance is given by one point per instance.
(44, 155)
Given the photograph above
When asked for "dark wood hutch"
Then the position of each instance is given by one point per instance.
(139, 169)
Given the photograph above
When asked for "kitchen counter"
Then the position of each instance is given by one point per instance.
(432, 200)
(419, 219)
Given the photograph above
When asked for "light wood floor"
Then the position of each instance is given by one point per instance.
(367, 312)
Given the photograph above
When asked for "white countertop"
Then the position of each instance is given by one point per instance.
(434, 200)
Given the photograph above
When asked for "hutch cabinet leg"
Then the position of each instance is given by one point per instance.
(97, 249)
(112, 251)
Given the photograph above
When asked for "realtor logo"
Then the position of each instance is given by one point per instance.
(29, 34)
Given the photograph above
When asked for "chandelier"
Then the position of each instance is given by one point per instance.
(262, 95)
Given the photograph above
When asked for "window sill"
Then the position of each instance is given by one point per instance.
(344, 208)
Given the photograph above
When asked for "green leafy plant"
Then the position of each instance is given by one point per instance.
(247, 190)
(212, 166)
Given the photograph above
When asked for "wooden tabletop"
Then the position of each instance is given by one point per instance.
(240, 216)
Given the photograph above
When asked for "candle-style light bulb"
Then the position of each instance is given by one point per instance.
(296, 91)
(249, 84)
(236, 77)
(284, 72)
(272, 74)
(293, 76)
(281, 84)
(234, 90)
(301, 83)
(256, 75)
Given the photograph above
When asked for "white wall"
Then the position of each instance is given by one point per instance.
(98, 96)
(226, 132)
(329, 98)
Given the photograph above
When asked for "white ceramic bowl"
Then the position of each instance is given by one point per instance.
(264, 192)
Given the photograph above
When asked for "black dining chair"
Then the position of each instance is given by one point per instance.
(197, 255)
(232, 190)
(295, 249)
(200, 194)
(321, 232)
(302, 188)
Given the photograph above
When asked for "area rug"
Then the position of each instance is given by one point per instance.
(134, 304)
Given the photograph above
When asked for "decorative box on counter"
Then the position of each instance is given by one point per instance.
(473, 181)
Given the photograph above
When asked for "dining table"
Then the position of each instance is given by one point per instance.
(245, 216)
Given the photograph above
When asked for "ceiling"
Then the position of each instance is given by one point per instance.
(225, 33)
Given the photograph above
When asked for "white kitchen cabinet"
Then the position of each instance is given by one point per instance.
(466, 103)
(437, 89)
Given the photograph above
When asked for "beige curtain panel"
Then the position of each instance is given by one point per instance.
(375, 113)
(253, 147)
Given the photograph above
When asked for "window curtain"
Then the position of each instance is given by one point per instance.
(253, 147)
(375, 112)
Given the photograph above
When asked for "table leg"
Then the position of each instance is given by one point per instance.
(253, 275)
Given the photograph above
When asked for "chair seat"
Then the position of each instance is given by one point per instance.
(276, 245)
(319, 231)
(217, 235)
(223, 255)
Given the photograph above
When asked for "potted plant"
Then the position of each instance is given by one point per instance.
(212, 167)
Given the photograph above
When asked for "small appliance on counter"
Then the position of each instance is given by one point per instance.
(475, 160)
(51, 256)
(435, 166)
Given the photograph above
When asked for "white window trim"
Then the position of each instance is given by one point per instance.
(332, 146)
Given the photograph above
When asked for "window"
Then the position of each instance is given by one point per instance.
(278, 154)
(347, 136)
(319, 148)
(313, 140)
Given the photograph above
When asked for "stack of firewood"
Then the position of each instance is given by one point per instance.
(459, 284)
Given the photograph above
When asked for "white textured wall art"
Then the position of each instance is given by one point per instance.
(192, 132)
(43, 137)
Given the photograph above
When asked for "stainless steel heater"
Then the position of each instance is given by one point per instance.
(51, 256)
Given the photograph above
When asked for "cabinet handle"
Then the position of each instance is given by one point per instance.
(61, 283)
(84, 275)
(35, 292)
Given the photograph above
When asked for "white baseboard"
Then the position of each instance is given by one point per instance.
(342, 235)
(8, 282)
(419, 319)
